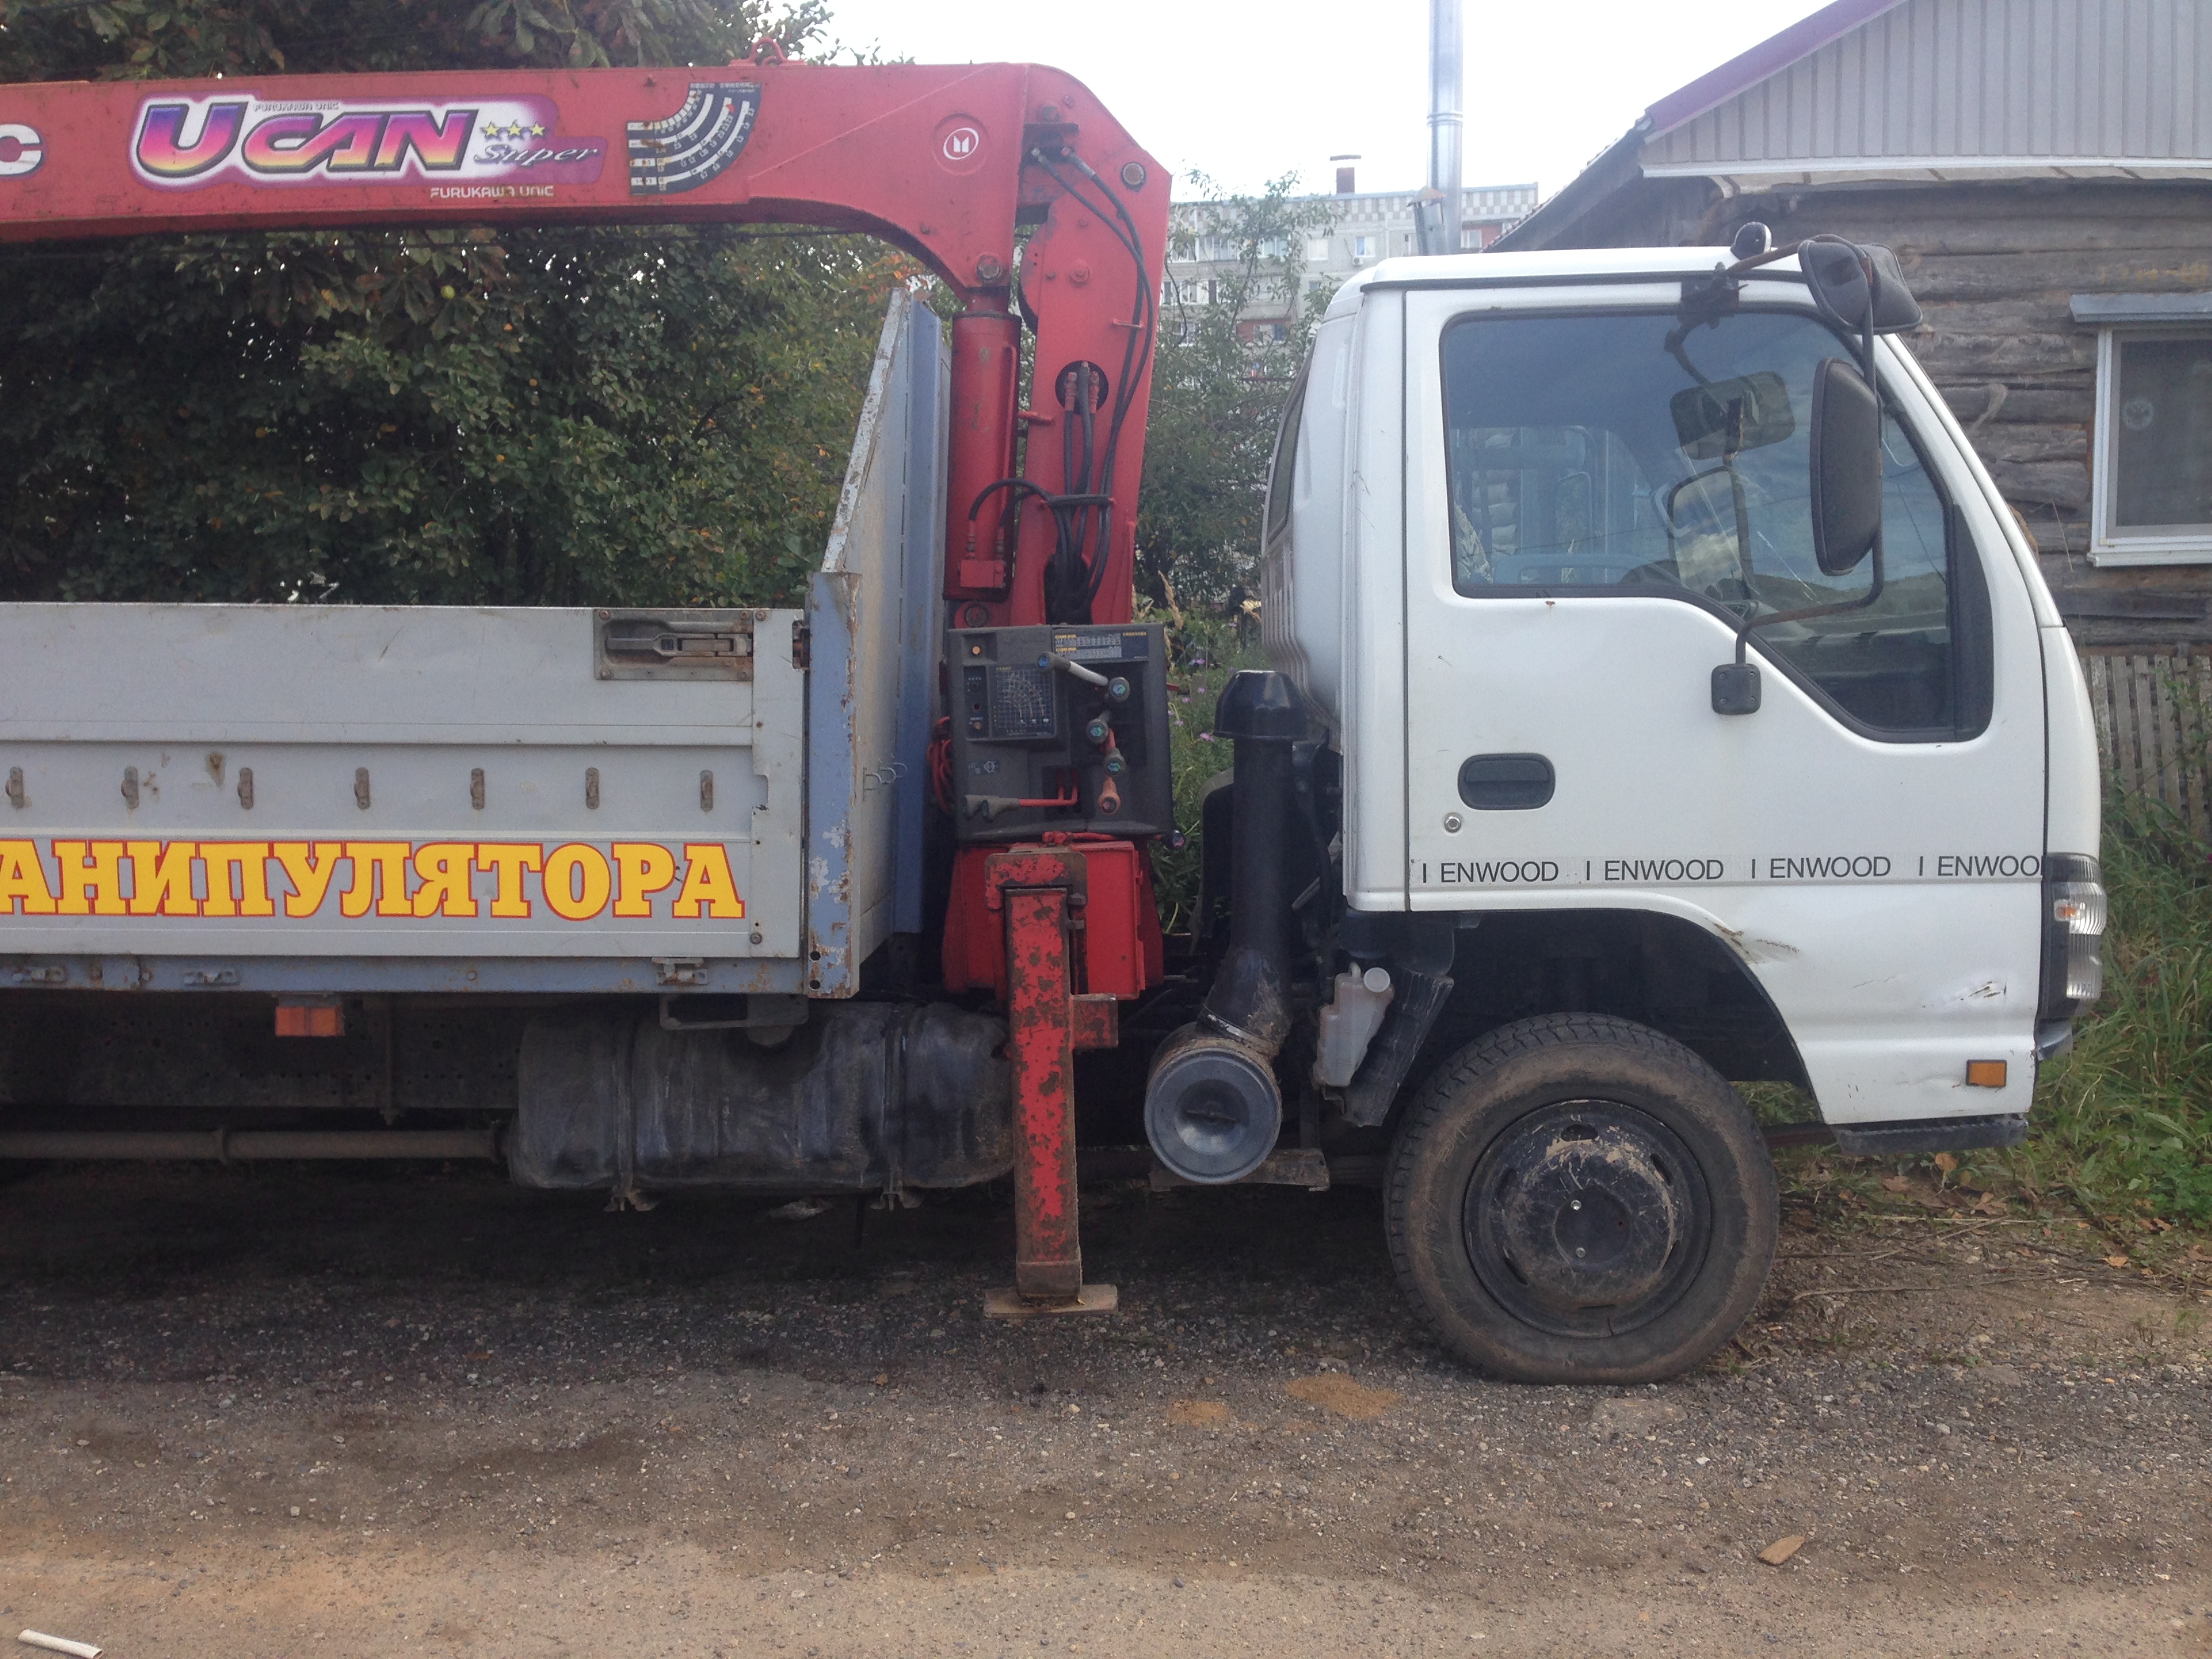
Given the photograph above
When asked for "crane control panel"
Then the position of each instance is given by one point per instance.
(1060, 727)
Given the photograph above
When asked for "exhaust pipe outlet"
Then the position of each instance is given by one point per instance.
(1213, 1107)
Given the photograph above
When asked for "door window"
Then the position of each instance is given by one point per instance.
(1636, 453)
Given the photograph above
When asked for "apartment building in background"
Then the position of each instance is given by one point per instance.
(1365, 226)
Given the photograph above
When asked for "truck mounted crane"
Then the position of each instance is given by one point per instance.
(1662, 699)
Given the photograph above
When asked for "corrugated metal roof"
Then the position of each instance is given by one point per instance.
(1777, 51)
(1953, 88)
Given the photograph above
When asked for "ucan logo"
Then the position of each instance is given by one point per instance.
(22, 149)
(183, 143)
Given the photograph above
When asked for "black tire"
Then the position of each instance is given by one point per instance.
(1586, 1133)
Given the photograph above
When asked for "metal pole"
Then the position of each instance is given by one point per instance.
(1444, 202)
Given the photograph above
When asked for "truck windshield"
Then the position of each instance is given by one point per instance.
(1633, 453)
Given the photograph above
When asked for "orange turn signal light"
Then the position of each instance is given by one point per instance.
(1985, 1074)
(311, 1020)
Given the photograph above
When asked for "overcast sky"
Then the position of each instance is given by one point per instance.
(1246, 90)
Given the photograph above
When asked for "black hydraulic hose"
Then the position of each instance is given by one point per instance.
(1078, 450)
(1072, 581)
(1136, 354)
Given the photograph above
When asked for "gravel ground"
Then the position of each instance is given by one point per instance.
(339, 1412)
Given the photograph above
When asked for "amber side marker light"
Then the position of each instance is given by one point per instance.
(1985, 1074)
(310, 1020)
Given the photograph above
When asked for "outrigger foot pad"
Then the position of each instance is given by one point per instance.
(1007, 1303)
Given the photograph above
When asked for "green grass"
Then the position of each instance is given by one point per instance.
(2123, 1124)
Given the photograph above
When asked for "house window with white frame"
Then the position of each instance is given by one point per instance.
(2151, 466)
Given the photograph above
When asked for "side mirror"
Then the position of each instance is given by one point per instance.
(1845, 491)
(1846, 467)
(1835, 272)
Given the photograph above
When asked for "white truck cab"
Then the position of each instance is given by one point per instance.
(1528, 514)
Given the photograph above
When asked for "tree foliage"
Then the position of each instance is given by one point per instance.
(140, 40)
(453, 415)
(1216, 395)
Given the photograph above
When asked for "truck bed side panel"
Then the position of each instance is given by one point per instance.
(872, 624)
(347, 781)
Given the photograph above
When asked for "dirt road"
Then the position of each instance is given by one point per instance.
(263, 1412)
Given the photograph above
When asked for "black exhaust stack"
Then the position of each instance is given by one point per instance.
(1213, 1108)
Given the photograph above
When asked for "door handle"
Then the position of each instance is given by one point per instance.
(1506, 783)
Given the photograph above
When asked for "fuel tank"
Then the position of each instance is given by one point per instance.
(861, 1097)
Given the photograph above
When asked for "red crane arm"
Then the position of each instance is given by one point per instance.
(943, 161)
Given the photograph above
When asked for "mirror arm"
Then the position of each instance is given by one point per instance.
(1742, 524)
(1873, 593)
(1866, 334)
(1754, 261)
(1735, 688)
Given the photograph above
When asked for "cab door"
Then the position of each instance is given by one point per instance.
(1597, 492)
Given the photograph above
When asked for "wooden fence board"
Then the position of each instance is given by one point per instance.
(2153, 738)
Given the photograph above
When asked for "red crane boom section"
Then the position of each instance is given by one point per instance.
(945, 162)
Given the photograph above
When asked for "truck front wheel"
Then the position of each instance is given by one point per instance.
(1578, 1199)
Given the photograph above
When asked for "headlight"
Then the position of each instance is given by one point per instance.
(2074, 913)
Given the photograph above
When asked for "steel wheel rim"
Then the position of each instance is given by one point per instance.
(1586, 1218)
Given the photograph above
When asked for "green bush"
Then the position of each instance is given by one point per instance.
(1204, 650)
(547, 415)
